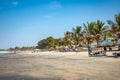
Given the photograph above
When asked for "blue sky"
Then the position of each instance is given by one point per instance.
(25, 22)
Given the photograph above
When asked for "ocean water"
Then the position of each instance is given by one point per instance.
(4, 52)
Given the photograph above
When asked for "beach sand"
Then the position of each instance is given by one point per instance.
(58, 66)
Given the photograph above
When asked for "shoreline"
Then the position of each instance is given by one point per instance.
(4, 52)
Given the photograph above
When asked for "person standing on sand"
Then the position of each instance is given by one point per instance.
(89, 50)
(105, 50)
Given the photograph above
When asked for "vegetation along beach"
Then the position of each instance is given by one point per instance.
(59, 40)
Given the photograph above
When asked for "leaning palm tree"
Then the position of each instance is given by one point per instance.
(117, 19)
(113, 29)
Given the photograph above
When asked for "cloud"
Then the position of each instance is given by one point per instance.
(15, 3)
(55, 5)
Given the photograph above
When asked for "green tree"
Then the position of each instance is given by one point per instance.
(115, 27)
(89, 32)
(17, 48)
(68, 38)
(77, 35)
(98, 30)
(42, 44)
(52, 43)
(117, 18)
(60, 41)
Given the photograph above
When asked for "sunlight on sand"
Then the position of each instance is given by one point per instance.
(58, 66)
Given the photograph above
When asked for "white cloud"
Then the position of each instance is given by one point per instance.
(55, 5)
(15, 3)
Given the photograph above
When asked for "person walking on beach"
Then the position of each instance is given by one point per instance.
(105, 50)
(89, 50)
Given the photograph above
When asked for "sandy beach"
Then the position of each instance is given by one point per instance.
(58, 66)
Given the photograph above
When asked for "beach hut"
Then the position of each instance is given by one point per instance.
(106, 42)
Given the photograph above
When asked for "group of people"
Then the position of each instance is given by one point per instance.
(90, 51)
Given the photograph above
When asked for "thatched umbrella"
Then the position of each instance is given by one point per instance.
(106, 42)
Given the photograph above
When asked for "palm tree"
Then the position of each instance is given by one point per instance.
(77, 35)
(115, 27)
(98, 30)
(94, 30)
(52, 44)
(117, 18)
(88, 32)
(68, 38)
(60, 41)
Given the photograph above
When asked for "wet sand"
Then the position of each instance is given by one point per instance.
(58, 66)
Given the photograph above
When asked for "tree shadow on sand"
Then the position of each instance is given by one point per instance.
(112, 56)
(18, 77)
